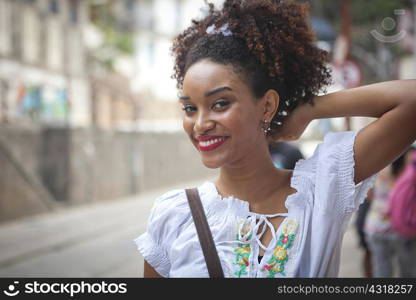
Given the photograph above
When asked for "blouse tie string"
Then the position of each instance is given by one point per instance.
(248, 229)
(263, 220)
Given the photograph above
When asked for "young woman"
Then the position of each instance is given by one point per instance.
(248, 74)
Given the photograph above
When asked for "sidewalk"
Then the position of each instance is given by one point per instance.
(97, 241)
(89, 241)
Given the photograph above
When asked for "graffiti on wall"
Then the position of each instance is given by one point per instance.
(29, 102)
(41, 103)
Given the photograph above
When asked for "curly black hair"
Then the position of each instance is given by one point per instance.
(269, 43)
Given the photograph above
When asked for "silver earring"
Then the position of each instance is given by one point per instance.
(266, 126)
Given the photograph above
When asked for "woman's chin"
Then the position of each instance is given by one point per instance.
(212, 164)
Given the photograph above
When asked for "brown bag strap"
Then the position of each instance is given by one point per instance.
(204, 234)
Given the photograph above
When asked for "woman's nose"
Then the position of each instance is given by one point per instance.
(203, 123)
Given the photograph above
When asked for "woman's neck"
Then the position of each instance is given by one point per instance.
(255, 180)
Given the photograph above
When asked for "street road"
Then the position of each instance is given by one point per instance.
(96, 240)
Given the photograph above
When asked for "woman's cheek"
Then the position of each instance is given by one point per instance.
(187, 126)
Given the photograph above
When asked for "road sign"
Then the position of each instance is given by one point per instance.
(347, 74)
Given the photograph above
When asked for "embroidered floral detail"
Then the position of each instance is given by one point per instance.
(280, 253)
(243, 248)
(242, 259)
(290, 227)
(276, 263)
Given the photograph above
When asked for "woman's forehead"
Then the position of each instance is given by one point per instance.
(206, 75)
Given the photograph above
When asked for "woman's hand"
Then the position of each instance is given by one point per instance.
(294, 125)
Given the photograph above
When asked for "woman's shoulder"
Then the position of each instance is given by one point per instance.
(332, 158)
(170, 200)
(171, 209)
(176, 199)
(331, 137)
(333, 173)
(175, 194)
(329, 151)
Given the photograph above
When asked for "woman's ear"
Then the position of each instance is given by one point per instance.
(270, 102)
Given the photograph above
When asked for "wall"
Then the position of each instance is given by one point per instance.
(85, 165)
(107, 165)
(21, 191)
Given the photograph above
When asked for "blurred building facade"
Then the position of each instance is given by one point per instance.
(52, 79)
(155, 23)
(48, 74)
(43, 70)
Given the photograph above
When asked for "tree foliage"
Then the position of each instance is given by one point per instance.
(116, 41)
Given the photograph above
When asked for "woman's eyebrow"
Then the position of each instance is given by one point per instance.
(184, 98)
(209, 93)
(217, 90)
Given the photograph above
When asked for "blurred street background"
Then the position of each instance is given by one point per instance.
(90, 127)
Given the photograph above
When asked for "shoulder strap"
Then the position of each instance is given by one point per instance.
(204, 234)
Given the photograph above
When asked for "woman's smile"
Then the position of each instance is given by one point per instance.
(209, 143)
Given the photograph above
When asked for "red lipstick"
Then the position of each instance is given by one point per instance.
(209, 143)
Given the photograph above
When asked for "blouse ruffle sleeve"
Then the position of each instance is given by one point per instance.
(164, 221)
(335, 190)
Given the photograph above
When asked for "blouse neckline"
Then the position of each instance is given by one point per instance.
(297, 182)
(245, 205)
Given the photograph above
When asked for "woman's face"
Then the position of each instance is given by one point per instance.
(221, 115)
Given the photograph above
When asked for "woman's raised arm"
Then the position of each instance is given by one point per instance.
(379, 143)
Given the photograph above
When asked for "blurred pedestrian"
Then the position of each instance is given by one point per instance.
(386, 245)
(361, 216)
(248, 75)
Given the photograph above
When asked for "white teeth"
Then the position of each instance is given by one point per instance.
(210, 142)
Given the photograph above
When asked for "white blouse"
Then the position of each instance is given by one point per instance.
(306, 244)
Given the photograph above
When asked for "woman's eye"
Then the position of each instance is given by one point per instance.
(188, 108)
(221, 104)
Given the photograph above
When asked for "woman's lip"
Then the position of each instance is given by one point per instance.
(209, 137)
(212, 146)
